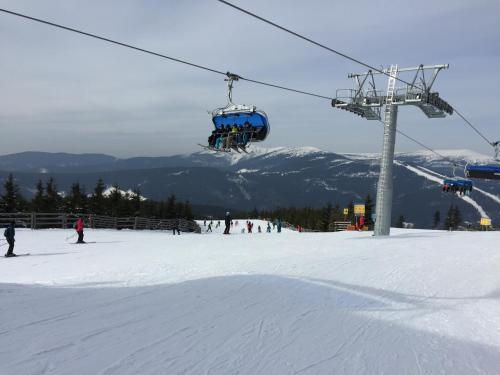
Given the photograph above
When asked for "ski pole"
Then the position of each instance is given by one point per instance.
(70, 237)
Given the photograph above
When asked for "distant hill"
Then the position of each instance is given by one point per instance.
(266, 178)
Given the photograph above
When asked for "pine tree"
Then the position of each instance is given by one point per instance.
(457, 217)
(115, 200)
(170, 207)
(325, 219)
(187, 211)
(98, 201)
(437, 219)
(400, 222)
(53, 200)
(76, 200)
(448, 221)
(255, 213)
(38, 201)
(135, 202)
(11, 200)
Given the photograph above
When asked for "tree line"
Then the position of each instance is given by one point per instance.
(101, 201)
(317, 219)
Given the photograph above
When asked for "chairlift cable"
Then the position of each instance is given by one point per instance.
(451, 161)
(309, 40)
(381, 71)
(473, 127)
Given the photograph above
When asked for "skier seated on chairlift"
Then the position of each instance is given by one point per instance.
(462, 190)
(220, 135)
(231, 136)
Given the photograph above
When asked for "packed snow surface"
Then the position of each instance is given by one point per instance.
(418, 302)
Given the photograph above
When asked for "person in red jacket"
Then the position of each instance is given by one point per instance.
(361, 222)
(79, 229)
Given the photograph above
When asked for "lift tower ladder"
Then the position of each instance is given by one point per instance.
(366, 101)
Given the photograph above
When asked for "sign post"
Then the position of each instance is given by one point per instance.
(485, 223)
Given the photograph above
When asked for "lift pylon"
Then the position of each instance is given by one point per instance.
(366, 101)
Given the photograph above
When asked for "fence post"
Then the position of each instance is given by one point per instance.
(64, 221)
(135, 223)
(33, 220)
(116, 222)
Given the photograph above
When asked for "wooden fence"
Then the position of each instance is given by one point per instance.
(37, 220)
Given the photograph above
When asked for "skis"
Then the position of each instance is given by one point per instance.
(17, 255)
(235, 148)
(214, 149)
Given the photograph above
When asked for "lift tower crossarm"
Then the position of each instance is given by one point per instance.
(412, 69)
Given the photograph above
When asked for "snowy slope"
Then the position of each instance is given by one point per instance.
(419, 302)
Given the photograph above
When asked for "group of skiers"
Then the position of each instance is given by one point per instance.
(10, 235)
(228, 222)
(231, 136)
(277, 225)
(79, 226)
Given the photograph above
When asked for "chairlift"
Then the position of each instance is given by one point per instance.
(249, 120)
(457, 184)
(485, 171)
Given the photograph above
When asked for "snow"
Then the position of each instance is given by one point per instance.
(461, 154)
(110, 189)
(147, 302)
(244, 170)
(257, 151)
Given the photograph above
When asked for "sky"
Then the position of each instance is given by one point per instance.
(63, 92)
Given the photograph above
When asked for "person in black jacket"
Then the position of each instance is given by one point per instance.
(227, 222)
(10, 234)
(177, 224)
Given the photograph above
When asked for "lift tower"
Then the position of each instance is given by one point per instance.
(366, 101)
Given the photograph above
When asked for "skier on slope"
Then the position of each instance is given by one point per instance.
(177, 223)
(227, 222)
(79, 225)
(10, 233)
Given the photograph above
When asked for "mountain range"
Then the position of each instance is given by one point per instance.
(268, 178)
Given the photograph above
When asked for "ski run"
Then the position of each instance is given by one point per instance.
(418, 302)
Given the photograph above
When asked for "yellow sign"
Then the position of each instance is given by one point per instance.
(485, 221)
(346, 211)
(359, 209)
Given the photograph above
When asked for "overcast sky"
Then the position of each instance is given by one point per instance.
(65, 92)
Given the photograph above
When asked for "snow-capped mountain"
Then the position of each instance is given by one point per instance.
(269, 178)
